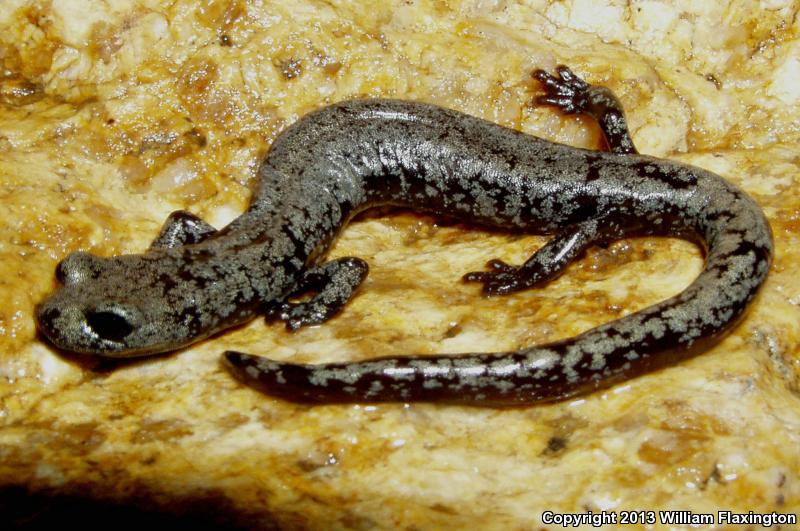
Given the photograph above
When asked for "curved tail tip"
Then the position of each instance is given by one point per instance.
(246, 368)
(235, 361)
(232, 357)
(286, 381)
(280, 380)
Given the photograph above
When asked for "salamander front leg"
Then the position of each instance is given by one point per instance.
(547, 263)
(335, 283)
(182, 228)
(573, 95)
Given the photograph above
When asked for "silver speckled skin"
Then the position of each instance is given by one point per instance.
(342, 159)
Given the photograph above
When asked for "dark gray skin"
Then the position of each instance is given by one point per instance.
(195, 281)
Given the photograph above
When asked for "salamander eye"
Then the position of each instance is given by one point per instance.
(109, 325)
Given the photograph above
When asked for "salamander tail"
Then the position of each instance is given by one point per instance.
(491, 379)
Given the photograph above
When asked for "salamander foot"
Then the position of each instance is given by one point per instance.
(568, 92)
(335, 283)
(573, 95)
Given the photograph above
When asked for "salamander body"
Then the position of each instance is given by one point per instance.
(195, 281)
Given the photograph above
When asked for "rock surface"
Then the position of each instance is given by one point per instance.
(113, 114)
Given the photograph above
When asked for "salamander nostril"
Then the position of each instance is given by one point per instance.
(61, 273)
(48, 316)
(109, 325)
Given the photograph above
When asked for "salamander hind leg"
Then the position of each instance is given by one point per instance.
(547, 263)
(182, 228)
(334, 282)
(573, 95)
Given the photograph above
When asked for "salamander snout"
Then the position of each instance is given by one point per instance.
(86, 329)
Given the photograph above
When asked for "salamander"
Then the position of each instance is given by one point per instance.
(195, 280)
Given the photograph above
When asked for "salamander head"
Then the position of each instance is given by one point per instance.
(121, 307)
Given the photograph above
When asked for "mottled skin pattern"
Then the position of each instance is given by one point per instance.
(342, 159)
